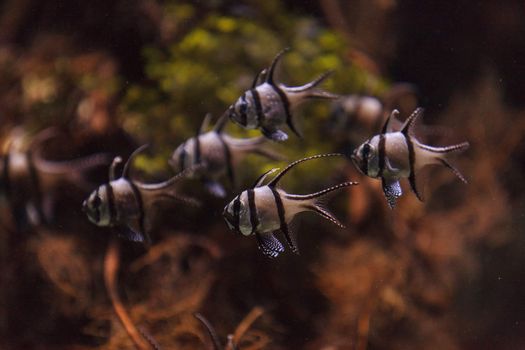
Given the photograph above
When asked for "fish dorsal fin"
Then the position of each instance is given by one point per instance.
(261, 178)
(171, 181)
(205, 124)
(261, 73)
(386, 125)
(127, 166)
(113, 168)
(278, 177)
(221, 123)
(411, 120)
(271, 70)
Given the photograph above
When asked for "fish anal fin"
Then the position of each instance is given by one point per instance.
(414, 185)
(392, 190)
(275, 134)
(290, 234)
(269, 245)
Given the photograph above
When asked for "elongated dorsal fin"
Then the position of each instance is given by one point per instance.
(261, 178)
(411, 120)
(386, 125)
(127, 166)
(205, 124)
(271, 70)
(276, 179)
(221, 123)
(113, 168)
(261, 73)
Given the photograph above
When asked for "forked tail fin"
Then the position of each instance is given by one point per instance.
(315, 201)
(441, 155)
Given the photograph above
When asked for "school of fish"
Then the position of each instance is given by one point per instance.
(265, 211)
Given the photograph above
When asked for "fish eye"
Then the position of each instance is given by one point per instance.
(365, 151)
(95, 203)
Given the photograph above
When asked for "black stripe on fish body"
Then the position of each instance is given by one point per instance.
(258, 107)
(364, 162)
(282, 219)
(197, 155)
(412, 163)
(182, 157)
(35, 183)
(96, 205)
(254, 219)
(381, 155)
(140, 206)
(228, 159)
(112, 209)
(286, 106)
(243, 110)
(6, 181)
(236, 213)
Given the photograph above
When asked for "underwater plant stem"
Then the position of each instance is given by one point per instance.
(111, 267)
(246, 323)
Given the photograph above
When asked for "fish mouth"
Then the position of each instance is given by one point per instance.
(358, 163)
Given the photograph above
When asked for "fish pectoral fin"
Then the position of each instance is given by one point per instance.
(392, 191)
(33, 215)
(215, 188)
(390, 167)
(136, 232)
(131, 235)
(275, 135)
(269, 245)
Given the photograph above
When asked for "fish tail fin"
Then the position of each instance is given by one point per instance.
(442, 155)
(309, 90)
(316, 201)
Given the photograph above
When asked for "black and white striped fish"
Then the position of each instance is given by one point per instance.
(216, 153)
(393, 155)
(128, 204)
(265, 210)
(269, 105)
(29, 183)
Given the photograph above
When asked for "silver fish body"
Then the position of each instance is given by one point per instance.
(129, 204)
(213, 154)
(269, 105)
(266, 210)
(393, 155)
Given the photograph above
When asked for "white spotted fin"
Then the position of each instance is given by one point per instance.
(269, 245)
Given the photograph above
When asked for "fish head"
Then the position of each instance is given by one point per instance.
(96, 207)
(238, 111)
(234, 212)
(365, 158)
(179, 158)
